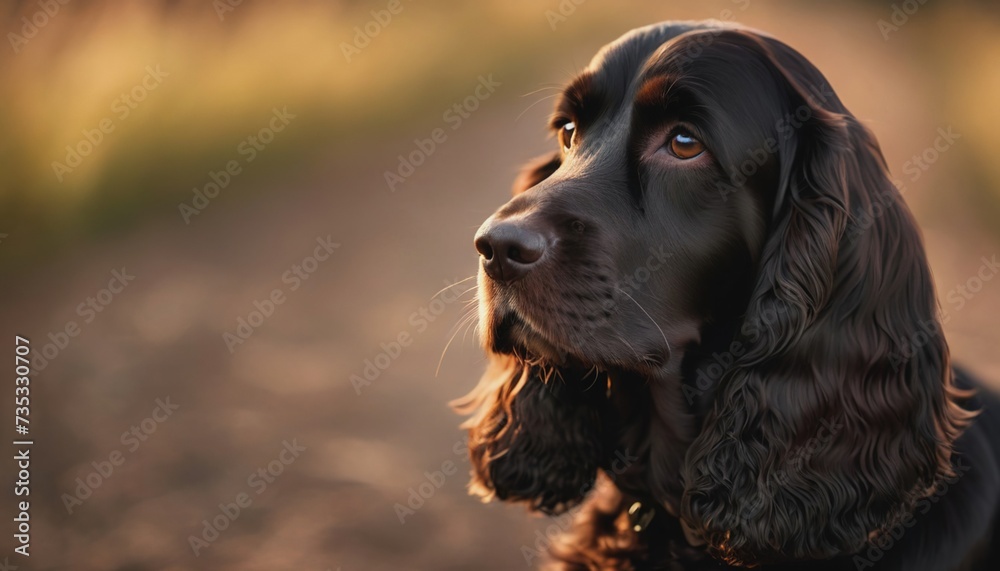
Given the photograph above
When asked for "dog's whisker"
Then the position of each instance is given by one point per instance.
(444, 351)
(629, 345)
(528, 108)
(592, 383)
(543, 88)
(655, 324)
(473, 288)
(461, 321)
(470, 324)
(447, 287)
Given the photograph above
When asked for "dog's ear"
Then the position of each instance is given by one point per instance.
(537, 170)
(534, 436)
(838, 414)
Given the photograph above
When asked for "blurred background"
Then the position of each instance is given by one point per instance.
(224, 226)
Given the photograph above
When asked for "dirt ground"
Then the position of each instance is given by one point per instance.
(333, 504)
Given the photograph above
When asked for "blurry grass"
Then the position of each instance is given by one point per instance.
(226, 76)
(971, 78)
(957, 45)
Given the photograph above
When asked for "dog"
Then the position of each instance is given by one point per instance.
(713, 332)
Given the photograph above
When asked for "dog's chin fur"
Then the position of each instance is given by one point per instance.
(512, 336)
(531, 349)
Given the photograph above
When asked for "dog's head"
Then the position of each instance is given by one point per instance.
(712, 195)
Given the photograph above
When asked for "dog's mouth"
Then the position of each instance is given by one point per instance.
(513, 336)
(585, 318)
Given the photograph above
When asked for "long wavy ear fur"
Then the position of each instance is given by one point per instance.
(534, 436)
(841, 414)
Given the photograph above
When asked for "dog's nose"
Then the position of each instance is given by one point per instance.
(509, 249)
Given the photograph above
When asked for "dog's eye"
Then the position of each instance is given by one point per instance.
(683, 145)
(566, 135)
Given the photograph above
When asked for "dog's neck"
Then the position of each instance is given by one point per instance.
(660, 415)
(655, 428)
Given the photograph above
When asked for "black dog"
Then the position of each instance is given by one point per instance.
(713, 301)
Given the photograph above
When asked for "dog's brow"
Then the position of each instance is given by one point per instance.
(572, 102)
(653, 92)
